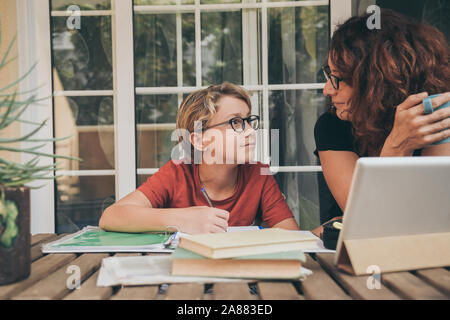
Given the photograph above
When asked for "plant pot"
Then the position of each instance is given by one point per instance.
(15, 260)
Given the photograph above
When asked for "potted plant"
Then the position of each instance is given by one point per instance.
(14, 176)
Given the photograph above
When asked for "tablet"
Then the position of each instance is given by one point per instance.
(397, 196)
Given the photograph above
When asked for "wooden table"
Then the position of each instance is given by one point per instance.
(50, 272)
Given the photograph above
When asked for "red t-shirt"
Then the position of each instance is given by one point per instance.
(176, 185)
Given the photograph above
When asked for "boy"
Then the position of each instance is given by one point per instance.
(215, 185)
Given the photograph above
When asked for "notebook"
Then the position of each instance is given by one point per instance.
(94, 239)
(281, 265)
(229, 245)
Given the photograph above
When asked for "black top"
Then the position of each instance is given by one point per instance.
(332, 133)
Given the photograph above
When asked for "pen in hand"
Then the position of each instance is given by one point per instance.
(207, 198)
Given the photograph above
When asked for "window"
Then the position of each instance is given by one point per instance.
(119, 79)
(83, 109)
(274, 50)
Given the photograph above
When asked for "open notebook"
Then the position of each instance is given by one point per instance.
(94, 239)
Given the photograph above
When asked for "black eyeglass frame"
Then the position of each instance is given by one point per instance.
(249, 119)
(334, 80)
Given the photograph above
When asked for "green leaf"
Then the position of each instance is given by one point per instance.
(25, 137)
(2, 63)
(11, 231)
(8, 111)
(11, 210)
(40, 153)
(23, 92)
(9, 61)
(49, 140)
(18, 80)
(16, 116)
(2, 209)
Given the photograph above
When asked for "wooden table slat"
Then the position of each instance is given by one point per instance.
(356, 286)
(50, 274)
(319, 285)
(39, 270)
(269, 290)
(185, 291)
(42, 237)
(439, 278)
(232, 291)
(89, 290)
(36, 249)
(55, 286)
(136, 293)
(409, 286)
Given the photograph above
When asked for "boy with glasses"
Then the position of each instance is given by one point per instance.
(216, 184)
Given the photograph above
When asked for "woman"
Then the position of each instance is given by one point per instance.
(217, 189)
(376, 80)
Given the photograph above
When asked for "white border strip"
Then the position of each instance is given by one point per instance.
(84, 93)
(85, 173)
(198, 45)
(33, 20)
(124, 109)
(296, 169)
(284, 169)
(152, 9)
(340, 11)
(265, 85)
(145, 171)
(180, 89)
(83, 13)
(268, 87)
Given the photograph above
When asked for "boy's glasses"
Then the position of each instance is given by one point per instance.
(334, 80)
(238, 123)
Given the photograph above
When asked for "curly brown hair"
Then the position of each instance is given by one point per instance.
(384, 66)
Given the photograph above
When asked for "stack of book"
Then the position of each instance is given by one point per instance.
(258, 254)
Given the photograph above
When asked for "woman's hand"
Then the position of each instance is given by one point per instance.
(319, 230)
(204, 219)
(413, 129)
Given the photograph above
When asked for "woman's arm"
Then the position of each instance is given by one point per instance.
(337, 167)
(134, 213)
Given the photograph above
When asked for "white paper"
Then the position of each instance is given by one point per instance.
(241, 229)
(147, 270)
(318, 247)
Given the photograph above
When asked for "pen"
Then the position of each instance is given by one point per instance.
(206, 196)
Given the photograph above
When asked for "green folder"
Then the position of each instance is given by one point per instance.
(94, 239)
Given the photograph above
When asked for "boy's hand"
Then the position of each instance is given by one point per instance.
(203, 219)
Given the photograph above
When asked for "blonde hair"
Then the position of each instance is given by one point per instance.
(199, 107)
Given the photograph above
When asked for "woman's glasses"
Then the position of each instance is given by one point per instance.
(334, 80)
(238, 123)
